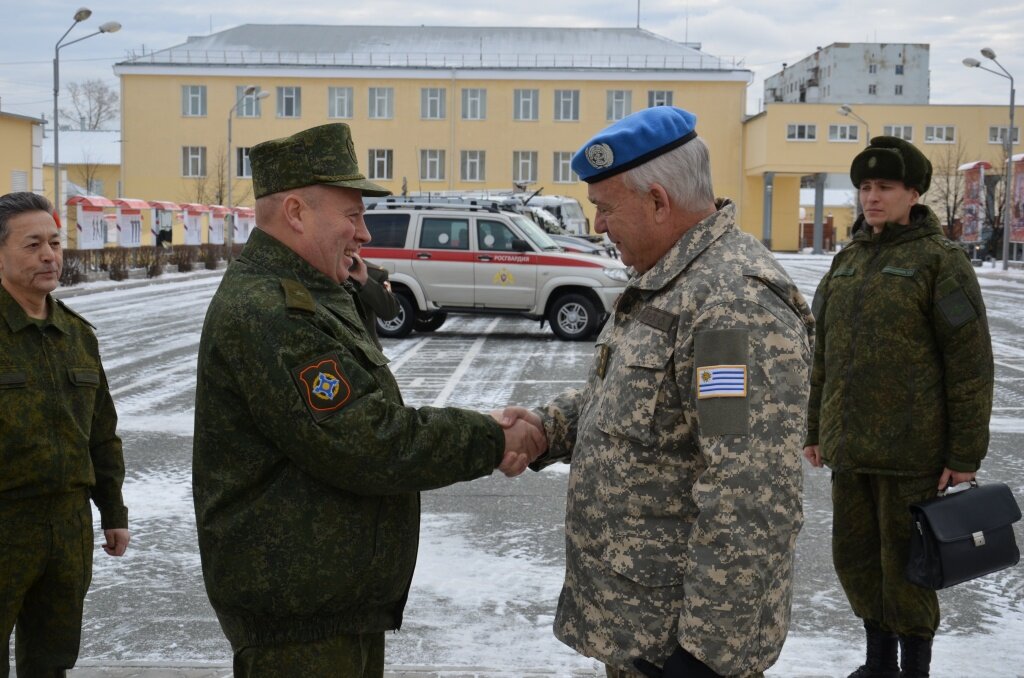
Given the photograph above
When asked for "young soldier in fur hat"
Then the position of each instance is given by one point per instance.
(901, 393)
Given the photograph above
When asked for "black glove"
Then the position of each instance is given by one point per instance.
(681, 664)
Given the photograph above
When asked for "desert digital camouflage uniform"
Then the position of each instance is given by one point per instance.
(58, 449)
(901, 387)
(306, 462)
(683, 512)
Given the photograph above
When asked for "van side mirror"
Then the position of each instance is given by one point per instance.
(520, 245)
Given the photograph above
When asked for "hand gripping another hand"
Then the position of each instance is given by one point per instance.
(525, 439)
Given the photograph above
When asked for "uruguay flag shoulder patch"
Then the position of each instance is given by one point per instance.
(722, 381)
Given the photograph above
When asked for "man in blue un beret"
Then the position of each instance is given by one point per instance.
(684, 500)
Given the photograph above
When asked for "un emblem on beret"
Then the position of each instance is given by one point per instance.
(600, 156)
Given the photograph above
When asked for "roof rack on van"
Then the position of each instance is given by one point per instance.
(444, 203)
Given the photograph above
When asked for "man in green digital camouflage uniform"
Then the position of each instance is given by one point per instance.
(684, 498)
(306, 463)
(374, 292)
(59, 449)
(900, 398)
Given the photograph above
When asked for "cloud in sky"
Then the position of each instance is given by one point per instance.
(762, 34)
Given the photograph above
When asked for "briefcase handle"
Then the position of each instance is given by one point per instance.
(956, 489)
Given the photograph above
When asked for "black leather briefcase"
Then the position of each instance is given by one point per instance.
(962, 536)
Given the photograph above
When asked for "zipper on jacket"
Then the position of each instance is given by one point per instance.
(854, 323)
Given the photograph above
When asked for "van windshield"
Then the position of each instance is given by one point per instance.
(534, 233)
(572, 210)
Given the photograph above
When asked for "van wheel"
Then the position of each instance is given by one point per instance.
(402, 324)
(429, 323)
(573, 317)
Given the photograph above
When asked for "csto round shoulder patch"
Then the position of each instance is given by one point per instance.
(322, 386)
(600, 155)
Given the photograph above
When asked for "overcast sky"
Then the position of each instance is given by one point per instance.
(762, 34)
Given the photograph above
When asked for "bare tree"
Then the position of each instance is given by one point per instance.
(87, 172)
(93, 103)
(211, 188)
(947, 192)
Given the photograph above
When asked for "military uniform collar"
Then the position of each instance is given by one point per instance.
(268, 252)
(16, 318)
(923, 223)
(688, 248)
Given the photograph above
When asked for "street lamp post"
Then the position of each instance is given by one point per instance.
(81, 15)
(847, 110)
(988, 53)
(249, 91)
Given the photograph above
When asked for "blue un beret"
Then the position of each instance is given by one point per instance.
(632, 141)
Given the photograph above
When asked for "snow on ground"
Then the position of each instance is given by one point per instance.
(491, 564)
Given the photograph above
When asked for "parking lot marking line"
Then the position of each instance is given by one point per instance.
(1008, 366)
(399, 362)
(463, 367)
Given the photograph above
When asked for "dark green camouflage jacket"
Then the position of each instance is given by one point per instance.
(684, 500)
(903, 374)
(306, 463)
(57, 420)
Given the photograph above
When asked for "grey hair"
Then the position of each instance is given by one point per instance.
(684, 172)
(16, 204)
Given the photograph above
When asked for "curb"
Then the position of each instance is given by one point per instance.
(107, 286)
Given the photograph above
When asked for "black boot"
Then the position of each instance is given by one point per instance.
(915, 656)
(881, 656)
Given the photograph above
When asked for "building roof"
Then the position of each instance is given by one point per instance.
(15, 116)
(98, 147)
(436, 46)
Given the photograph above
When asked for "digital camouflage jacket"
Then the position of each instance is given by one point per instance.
(903, 375)
(684, 497)
(306, 462)
(56, 415)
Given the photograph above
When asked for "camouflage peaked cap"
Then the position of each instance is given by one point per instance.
(895, 159)
(319, 155)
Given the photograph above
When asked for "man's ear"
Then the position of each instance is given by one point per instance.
(662, 206)
(294, 209)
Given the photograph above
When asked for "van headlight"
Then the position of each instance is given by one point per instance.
(618, 274)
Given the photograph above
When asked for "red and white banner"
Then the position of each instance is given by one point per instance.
(973, 218)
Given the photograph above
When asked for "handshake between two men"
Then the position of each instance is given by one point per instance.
(525, 439)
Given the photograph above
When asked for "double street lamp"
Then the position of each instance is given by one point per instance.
(252, 91)
(81, 15)
(989, 54)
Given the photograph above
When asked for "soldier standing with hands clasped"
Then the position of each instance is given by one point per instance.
(684, 497)
(59, 448)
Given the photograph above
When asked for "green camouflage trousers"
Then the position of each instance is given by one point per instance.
(349, 656)
(45, 568)
(870, 543)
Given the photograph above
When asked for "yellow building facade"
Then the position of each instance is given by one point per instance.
(485, 122)
(790, 141)
(21, 163)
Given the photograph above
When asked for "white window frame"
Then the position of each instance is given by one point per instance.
(381, 103)
(898, 90)
(905, 132)
(193, 161)
(659, 97)
(473, 166)
(899, 69)
(526, 104)
(567, 105)
(340, 102)
(193, 101)
(474, 103)
(844, 133)
(562, 168)
(248, 104)
(432, 164)
(997, 135)
(243, 168)
(801, 131)
(872, 68)
(948, 135)
(524, 167)
(289, 97)
(873, 90)
(381, 165)
(433, 103)
(618, 104)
